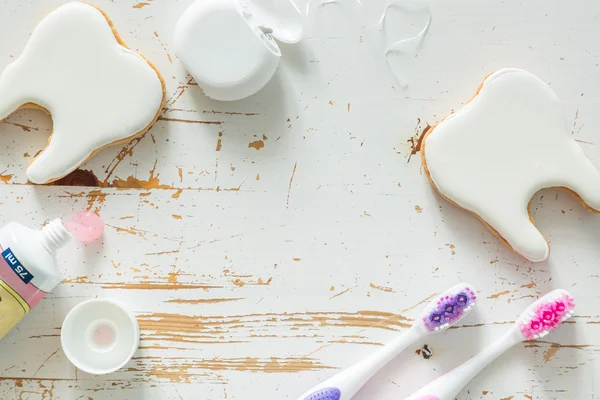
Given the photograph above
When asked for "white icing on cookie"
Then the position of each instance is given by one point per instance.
(97, 91)
(496, 152)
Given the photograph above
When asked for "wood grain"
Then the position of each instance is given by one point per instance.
(265, 244)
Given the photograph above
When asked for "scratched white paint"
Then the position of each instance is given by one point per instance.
(270, 269)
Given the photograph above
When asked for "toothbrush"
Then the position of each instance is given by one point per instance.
(539, 319)
(447, 309)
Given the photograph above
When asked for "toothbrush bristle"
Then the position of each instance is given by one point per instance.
(449, 307)
(546, 314)
(325, 394)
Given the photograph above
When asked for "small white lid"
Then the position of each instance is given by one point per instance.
(280, 17)
(99, 336)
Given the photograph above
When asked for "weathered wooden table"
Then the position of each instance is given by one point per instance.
(267, 243)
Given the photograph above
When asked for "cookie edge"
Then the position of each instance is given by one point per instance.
(117, 142)
(494, 231)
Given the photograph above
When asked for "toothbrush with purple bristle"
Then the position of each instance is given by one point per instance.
(444, 311)
(539, 319)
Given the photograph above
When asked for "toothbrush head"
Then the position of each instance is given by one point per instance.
(325, 394)
(546, 314)
(449, 307)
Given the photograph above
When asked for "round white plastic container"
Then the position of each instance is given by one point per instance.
(229, 45)
(99, 336)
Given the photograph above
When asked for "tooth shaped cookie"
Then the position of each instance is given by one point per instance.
(97, 91)
(506, 144)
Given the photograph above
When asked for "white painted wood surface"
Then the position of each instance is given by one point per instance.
(265, 244)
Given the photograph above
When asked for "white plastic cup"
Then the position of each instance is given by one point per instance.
(99, 336)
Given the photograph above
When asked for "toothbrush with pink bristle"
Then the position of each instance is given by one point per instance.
(444, 311)
(538, 320)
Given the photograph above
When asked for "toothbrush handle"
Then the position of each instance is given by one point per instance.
(448, 386)
(345, 384)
